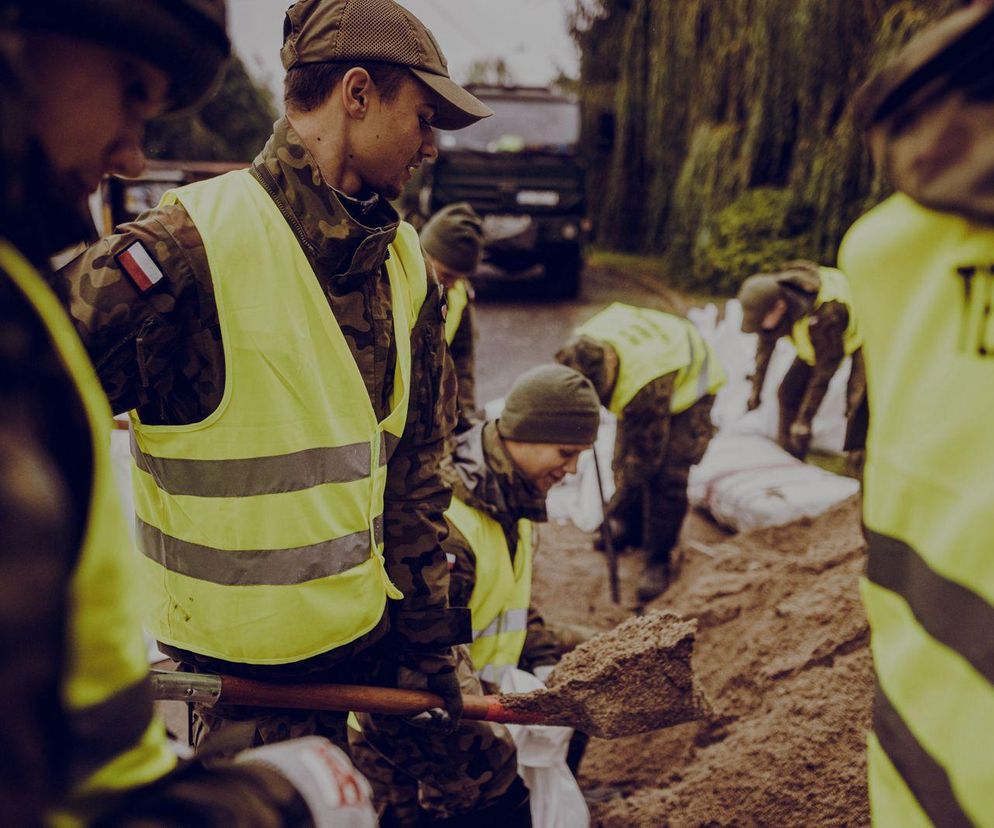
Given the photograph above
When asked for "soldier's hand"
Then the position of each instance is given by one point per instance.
(799, 440)
(435, 672)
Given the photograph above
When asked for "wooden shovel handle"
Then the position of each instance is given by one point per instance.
(362, 699)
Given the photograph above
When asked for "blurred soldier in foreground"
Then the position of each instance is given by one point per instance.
(281, 350)
(812, 306)
(453, 241)
(922, 271)
(78, 739)
(503, 471)
(656, 373)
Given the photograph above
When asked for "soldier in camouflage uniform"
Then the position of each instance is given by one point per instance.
(453, 243)
(793, 303)
(655, 447)
(360, 114)
(102, 69)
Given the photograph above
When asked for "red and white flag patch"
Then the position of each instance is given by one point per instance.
(138, 263)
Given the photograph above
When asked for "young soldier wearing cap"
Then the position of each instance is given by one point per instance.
(276, 339)
(77, 734)
(453, 242)
(812, 306)
(504, 470)
(657, 374)
(922, 271)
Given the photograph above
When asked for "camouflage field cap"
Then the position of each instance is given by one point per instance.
(323, 31)
(186, 39)
(589, 356)
(758, 294)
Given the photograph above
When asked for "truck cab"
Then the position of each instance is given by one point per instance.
(520, 170)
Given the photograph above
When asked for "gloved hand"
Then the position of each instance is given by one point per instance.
(433, 670)
(337, 795)
(799, 440)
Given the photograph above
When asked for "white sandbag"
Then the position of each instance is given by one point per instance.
(748, 482)
(737, 352)
(556, 799)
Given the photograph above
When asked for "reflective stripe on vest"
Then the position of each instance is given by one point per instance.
(651, 344)
(501, 591)
(456, 300)
(261, 526)
(834, 288)
(922, 283)
(114, 742)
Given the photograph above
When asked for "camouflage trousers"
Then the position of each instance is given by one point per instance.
(459, 772)
(651, 514)
(485, 752)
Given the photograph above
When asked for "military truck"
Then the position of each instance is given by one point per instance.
(521, 172)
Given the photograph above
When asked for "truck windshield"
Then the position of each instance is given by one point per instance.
(518, 125)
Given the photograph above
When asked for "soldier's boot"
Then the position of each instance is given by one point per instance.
(656, 578)
(512, 810)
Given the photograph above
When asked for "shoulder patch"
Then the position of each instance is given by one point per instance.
(137, 262)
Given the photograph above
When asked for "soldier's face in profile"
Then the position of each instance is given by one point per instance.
(545, 464)
(91, 106)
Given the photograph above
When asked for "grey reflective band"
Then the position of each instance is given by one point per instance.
(257, 567)
(253, 476)
(926, 779)
(514, 620)
(103, 731)
(949, 612)
(494, 673)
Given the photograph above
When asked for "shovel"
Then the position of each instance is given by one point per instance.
(622, 682)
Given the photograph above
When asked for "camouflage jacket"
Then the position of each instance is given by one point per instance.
(643, 436)
(487, 479)
(161, 352)
(827, 330)
(463, 350)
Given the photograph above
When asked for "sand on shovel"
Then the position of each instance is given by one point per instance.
(632, 679)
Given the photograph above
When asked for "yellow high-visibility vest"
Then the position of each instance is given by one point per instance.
(501, 592)
(834, 288)
(651, 344)
(922, 283)
(262, 525)
(456, 300)
(114, 742)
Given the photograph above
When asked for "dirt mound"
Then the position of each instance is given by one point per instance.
(782, 655)
(632, 679)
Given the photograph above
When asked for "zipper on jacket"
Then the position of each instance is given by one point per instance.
(265, 178)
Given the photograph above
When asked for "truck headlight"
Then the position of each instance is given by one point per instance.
(569, 231)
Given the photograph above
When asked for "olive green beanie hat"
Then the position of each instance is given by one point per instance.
(454, 237)
(551, 404)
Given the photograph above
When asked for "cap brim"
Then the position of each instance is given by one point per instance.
(457, 108)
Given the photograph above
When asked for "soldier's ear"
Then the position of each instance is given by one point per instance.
(356, 88)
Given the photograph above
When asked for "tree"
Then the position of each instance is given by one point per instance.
(233, 126)
(490, 72)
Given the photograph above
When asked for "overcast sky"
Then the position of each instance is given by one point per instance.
(530, 35)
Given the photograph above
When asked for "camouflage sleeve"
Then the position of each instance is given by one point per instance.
(462, 567)
(541, 647)
(132, 334)
(827, 330)
(643, 433)
(463, 349)
(416, 497)
(764, 352)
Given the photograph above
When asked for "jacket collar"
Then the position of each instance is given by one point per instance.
(487, 479)
(344, 238)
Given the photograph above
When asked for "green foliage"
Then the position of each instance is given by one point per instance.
(233, 126)
(690, 105)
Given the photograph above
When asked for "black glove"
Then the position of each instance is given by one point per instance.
(434, 671)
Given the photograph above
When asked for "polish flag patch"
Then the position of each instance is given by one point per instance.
(138, 263)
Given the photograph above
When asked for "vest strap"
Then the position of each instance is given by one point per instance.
(258, 567)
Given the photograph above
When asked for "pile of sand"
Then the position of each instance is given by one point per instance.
(782, 655)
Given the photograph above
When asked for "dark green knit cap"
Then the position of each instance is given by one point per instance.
(454, 237)
(551, 404)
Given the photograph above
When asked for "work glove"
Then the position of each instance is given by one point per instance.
(433, 670)
(336, 794)
(799, 439)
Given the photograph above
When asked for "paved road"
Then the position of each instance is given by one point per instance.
(517, 335)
